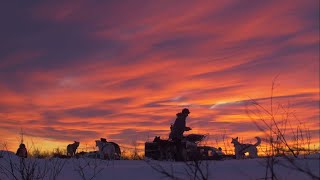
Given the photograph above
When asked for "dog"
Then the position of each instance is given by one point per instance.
(106, 150)
(117, 149)
(166, 148)
(22, 151)
(240, 149)
(72, 148)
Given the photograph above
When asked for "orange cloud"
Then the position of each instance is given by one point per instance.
(81, 71)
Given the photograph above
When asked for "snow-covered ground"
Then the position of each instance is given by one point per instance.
(135, 169)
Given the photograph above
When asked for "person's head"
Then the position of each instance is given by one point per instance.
(22, 145)
(185, 111)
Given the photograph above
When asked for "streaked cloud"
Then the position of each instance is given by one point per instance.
(84, 70)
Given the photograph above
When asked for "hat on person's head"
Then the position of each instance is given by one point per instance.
(22, 145)
(185, 111)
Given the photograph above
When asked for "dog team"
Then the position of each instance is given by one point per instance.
(111, 150)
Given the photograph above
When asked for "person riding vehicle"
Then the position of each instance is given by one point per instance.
(177, 130)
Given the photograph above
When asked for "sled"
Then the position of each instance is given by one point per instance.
(187, 150)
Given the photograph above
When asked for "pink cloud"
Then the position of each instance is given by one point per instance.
(131, 67)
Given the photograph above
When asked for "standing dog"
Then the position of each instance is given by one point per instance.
(117, 149)
(72, 148)
(240, 149)
(106, 150)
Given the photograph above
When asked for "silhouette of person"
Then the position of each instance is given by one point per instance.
(22, 151)
(179, 126)
(177, 130)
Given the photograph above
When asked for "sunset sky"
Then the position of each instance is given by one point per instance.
(81, 70)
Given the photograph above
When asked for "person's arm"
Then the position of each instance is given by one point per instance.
(187, 129)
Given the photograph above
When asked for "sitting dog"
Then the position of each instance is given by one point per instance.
(22, 151)
(240, 149)
(166, 148)
(72, 148)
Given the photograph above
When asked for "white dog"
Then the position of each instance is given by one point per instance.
(240, 149)
(106, 150)
(72, 148)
